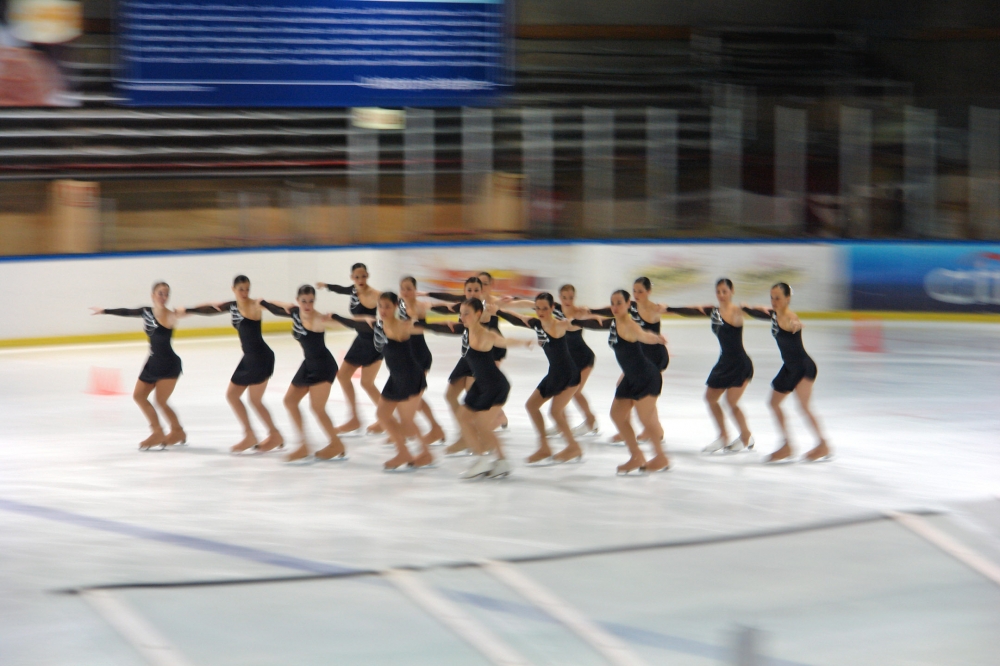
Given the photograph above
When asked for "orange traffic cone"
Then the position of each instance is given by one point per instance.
(105, 381)
(866, 336)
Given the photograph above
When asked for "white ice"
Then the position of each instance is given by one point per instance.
(915, 427)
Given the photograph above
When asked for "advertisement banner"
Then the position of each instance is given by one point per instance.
(925, 277)
(313, 53)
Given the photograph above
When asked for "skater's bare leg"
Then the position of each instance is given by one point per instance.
(233, 396)
(274, 440)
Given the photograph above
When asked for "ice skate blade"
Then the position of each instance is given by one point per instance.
(301, 462)
(459, 454)
(343, 457)
(402, 469)
(638, 471)
(544, 462)
(575, 460)
(646, 470)
(154, 447)
(432, 465)
(824, 459)
(357, 432)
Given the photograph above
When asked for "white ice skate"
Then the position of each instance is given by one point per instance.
(716, 446)
(481, 468)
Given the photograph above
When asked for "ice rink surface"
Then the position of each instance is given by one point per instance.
(667, 568)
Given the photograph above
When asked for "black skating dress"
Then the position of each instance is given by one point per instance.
(257, 364)
(581, 353)
(797, 365)
(734, 366)
(656, 353)
(418, 343)
(319, 365)
(362, 352)
(563, 373)
(641, 378)
(491, 387)
(461, 369)
(406, 376)
(163, 362)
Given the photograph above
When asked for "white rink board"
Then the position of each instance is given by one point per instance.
(58, 291)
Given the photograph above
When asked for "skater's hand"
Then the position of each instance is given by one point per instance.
(663, 339)
(321, 285)
(97, 311)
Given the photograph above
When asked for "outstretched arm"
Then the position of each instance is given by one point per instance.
(446, 309)
(206, 309)
(336, 288)
(758, 312)
(359, 326)
(513, 318)
(593, 324)
(696, 311)
(602, 312)
(275, 308)
(118, 312)
(651, 338)
(506, 343)
(444, 328)
(446, 296)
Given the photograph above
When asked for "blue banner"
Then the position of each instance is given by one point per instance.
(315, 53)
(946, 277)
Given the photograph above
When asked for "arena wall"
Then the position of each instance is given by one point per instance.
(47, 298)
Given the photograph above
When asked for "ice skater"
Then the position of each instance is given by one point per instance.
(487, 395)
(162, 369)
(798, 372)
(732, 372)
(255, 368)
(314, 377)
(583, 357)
(410, 306)
(362, 354)
(639, 387)
(404, 390)
(559, 385)
(646, 314)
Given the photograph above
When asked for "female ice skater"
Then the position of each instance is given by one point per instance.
(798, 372)
(417, 310)
(646, 314)
(461, 378)
(255, 368)
(314, 377)
(403, 392)
(362, 354)
(162, 369)
(733, 371)
(582, 354)
(559, 385)
(487, 395)
(639, 387)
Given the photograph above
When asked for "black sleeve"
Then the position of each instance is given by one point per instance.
(757, 313)
(209, 309)
(336, 288)
(447, 309)
(603, 312)
(517, 321)
(594, 324)
(443, 328)
(359, 326)
(124, 312)
(688, 312)
(445, 296)
(275, 309)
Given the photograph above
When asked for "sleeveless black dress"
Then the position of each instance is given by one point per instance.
(797, 365)
(319, 365)
(642, 378)
(491, 387)
(257, 364)
(406, 377)
(499, 353)
(656, 353)
(563, 373)
(734, 366)
(163, 361)
(362, 352)
(581, 353)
